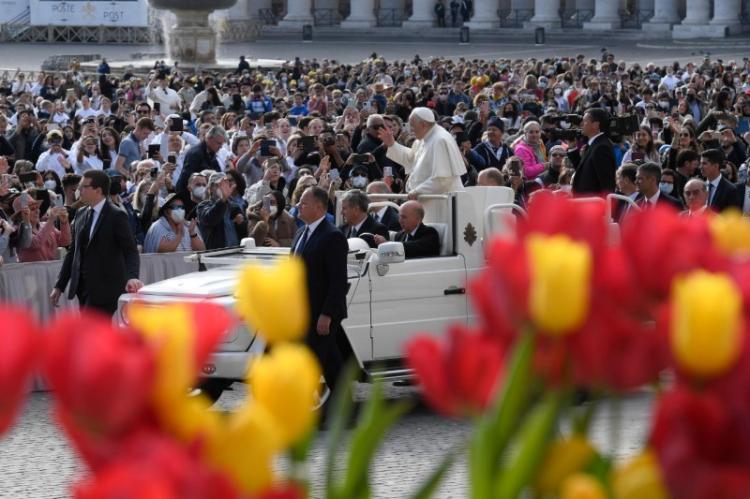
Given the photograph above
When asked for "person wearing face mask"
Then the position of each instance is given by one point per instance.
(197, 185)
(170, 232)
(358, 177)
(269, 223)
(52, 182)
(650, 192)
(562, 103)
(271, 181)
(45, 238)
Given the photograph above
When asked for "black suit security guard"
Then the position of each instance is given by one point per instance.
(102, 262)
(594, 162)
(324, 250)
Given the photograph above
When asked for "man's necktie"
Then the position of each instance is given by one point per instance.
(353, 232)
(85, 236)
(303, 241)
(711, 190)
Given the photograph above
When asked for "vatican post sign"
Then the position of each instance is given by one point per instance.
(122, 13)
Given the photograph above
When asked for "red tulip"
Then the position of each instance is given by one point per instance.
(102, 379)
(284, 491)
(458, 377)
(151, 466)
(696, 435)
(661, 245)
(212, 322)
(19, 344)
(581, 220)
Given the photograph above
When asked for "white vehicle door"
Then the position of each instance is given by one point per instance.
(421, 295)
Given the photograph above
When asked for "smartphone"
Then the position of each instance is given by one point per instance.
(28, 177)
(387, 171)
(267, 204)
(52, 126)
(334, 174)
(175, 125)
(308, 143)
(265, 147)
(172, 158)
(24, 200)
(153, 150)
(58, 201)
(360, 158)
(154, 172)
(157, 107)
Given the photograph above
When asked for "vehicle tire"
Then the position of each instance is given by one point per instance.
(213, 388)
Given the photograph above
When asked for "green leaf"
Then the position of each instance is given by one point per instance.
(341, 405)
(298, 452)
(431, 484)
(532, 445)
(494, 430)
(375, 421)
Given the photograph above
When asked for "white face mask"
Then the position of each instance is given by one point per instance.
(666, 187)
(50, 185)
(199, 191)
(558, 91)
(359, 181)
(178, 215)
(664, 104)
(273, 210)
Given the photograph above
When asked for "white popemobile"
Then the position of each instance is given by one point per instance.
(390, 299)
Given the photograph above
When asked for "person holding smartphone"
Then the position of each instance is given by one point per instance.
(271, 181)
(171, 232)
(55, 158)
(45, 238)
(269, 223)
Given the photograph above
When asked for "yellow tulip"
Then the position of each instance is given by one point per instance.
(706, 325)
(640, 478)
(559, 294)
(285, 382)
(564, 458)
(273, 300)
(170, 329)
(582, 486)
(244, 449)
(731, 232)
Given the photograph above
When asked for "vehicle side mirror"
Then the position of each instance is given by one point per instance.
(391, 252)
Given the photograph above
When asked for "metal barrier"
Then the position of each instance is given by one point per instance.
(489, 220)
(634, 19)
(326, 17)
(390, 17)
(267, 16)
(30, 284)
(514, 18)
(574, 18)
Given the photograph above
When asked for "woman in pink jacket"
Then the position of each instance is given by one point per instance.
(45, 237)
(531, 150)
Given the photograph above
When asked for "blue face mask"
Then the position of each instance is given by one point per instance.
(666, 187)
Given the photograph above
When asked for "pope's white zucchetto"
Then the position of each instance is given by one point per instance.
(424, 114)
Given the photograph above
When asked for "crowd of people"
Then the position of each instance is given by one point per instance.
(201, 161)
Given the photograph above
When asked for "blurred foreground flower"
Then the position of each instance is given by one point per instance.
(101, 377)
(582, 486)
(564, 458)
(458, 377)
(285, 383)
(273, 300)
(19, 346)
(731, 233)
(639, 478)
(707, 327)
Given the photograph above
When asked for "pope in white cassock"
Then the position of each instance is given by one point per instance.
(434, 162)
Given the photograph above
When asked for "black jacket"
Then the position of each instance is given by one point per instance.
(725, 196)
(740, 193)
(390, 219)
(665, 199)
(198, 158)
(211, 222)
(424, 243)
(489, 159)
(369, 226)
(325, 255)
(595, 167)
(106, 263)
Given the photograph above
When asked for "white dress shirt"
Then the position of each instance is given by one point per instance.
(97, 211)
(310, 230)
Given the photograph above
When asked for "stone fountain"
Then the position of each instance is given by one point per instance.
(191, 40)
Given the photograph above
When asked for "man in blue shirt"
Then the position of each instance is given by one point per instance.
(259, 103)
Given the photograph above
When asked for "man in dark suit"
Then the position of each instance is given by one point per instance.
(419, 239)
(742, 199)
(201, 157)
(354, 209)
(647, 181)
(102, 262)
(324, 250)
(722, 194)
(595, 162)
(387, 215)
